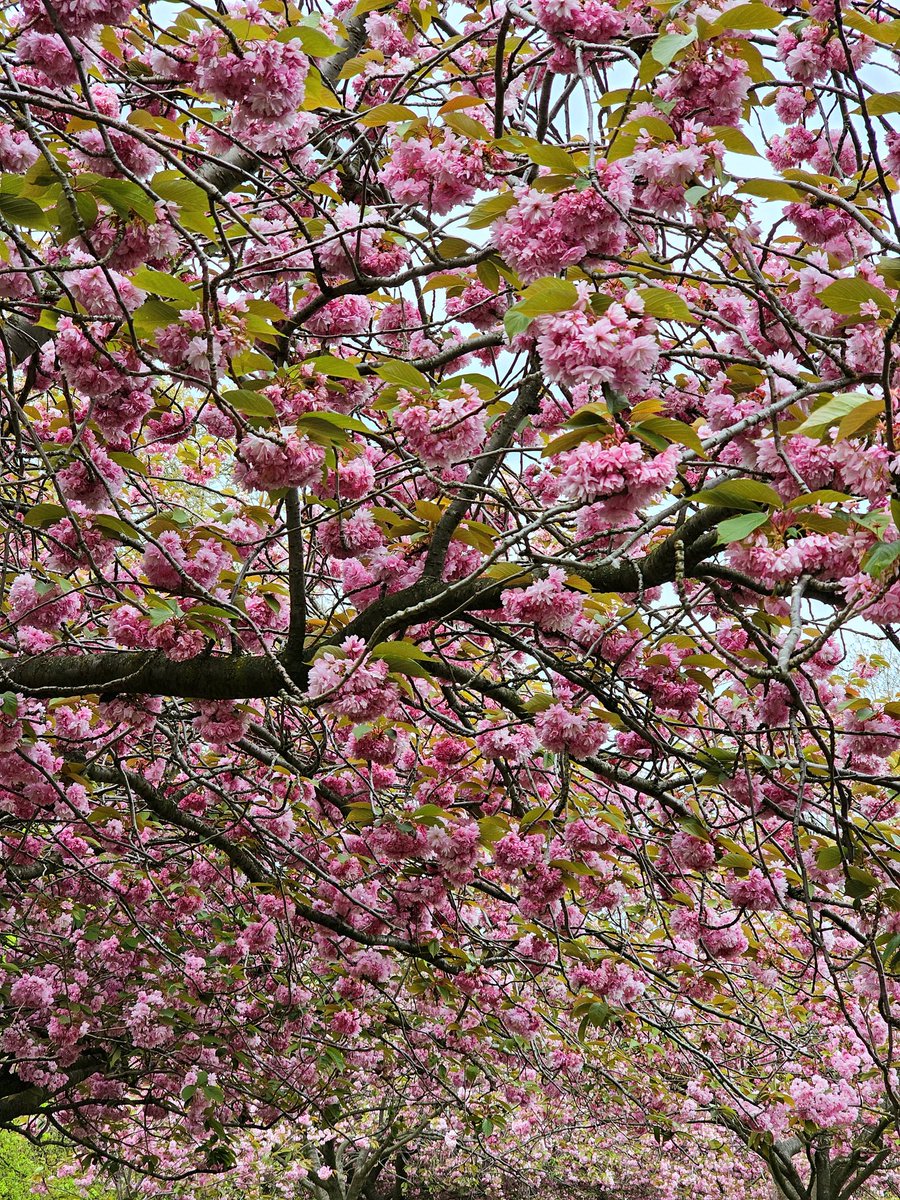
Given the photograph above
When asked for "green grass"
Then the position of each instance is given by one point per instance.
(27, 1171)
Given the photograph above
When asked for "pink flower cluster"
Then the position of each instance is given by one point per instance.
(341, 317)
(709, 89)
(692, 853)
(830, 1104)
(127, 626)
(77, 17)
(437, 176)
(722, 936)
(593, 471)
(171, 565)
(27, 780)
(266, 81)
(517, 853)
(104, 292)
(584, 20)
(17, 150)
(563, 730)
(221, 722)
(361, 689)
(269, 465)
(507, 743)
(614, 981)
(547, 603)
(616, 347)
(448, 432)
(757, 892)
(666, 170)
(354, 239)
(41, 605)
(477, 305)
(542, 234)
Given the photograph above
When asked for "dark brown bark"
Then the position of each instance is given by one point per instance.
(239, 677)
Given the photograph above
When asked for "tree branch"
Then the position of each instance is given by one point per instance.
(241, 677)
(28, 1099)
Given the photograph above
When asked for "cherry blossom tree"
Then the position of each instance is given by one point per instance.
(449, 464)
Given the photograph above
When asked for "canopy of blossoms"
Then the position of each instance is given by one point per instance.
(451, 555)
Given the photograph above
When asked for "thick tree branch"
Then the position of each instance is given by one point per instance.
(241, 677)
(20, 1099)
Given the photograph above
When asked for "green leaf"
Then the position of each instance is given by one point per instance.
(112, 524)
(655, 126)
(666, 47)
(467, 127)
(318, 94)
(740, 493)
(558, 160)
(889, 955)
(335, 368)
(547, 295)
(889, 270)
(822, 496)
(175, 188)
(333, 420)
(386, 114)
(245, 362)
(160, 283)
(126, 198)
(881, 558)
(832, 412)
(152, 315)
(737, 528)
(660, 302)
(251, 404)
(403, 374)
(515, 322)
(748, 16)
(386, 650)
(86, 207)
(846, 295)
(128, 461)
(162, 610)
(404, 658)
(18, 210)
(859, 419)
(770, 189)
(144, 120)
(486, 212)
(735, 139)
(314, 42)
(43, 514)
(885, 102)
(859, 882)
(829, 857)
(672, 431)
(736, 860)
(568, 441)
